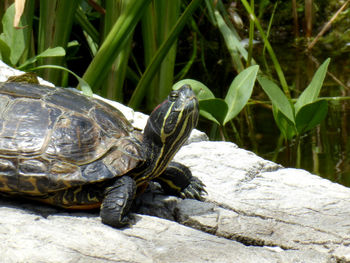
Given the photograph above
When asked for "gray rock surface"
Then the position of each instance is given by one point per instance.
(255, 211)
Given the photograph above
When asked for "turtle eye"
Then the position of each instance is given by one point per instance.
(173, 95)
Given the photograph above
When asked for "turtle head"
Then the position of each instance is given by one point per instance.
(171, 122)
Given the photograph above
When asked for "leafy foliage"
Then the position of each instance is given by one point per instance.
(144, 75)
(306, 113)
(221, 111)
(13, 43)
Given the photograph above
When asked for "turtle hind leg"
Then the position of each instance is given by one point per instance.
(117, 202)
(177, 179)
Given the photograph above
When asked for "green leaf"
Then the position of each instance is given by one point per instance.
(84, 86)
(311, 115)
(202, 92)
(50, 52)
(286, 126)
(161, 53)
(311, 93)
(5, 52)
(114, 42)
(268, 47)
(214, 110)
(86, 25)
(240, 91)
(14, 38)
(53, 52)
(233, 44)
(277, 97)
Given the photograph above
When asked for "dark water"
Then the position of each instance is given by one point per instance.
(326, 149)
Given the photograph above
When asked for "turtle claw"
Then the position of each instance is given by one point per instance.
(178, 180)
(194, 190)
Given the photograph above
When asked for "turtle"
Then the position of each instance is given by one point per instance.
(73, 151)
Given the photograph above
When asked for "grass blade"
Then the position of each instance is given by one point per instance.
(157, 59)
(84, 86)
(114, 84)
(233, 44)
(55, 24)
(114, 42)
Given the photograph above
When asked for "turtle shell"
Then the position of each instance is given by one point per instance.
(53, 139)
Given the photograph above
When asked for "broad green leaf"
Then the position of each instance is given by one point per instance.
(311, 115)
(240, 91)
(5, 52)
(214, 110)
(277, 97)
(50, 52)
(14, 38)
(311, 93)
(53, 52)
(286, 127)
(202, 92)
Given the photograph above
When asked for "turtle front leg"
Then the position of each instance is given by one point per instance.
(177, 179)
(117, 202)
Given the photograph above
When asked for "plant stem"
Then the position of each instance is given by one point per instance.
(308, 18)
(235, 131)
(278, 148)
(298, 145)
(295, 18)
(327, 26)
(269, 49)
(251, 36)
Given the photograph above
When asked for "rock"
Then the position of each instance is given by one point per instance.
(61, 237)
(260, 203)
(255, 211)
(6, 72)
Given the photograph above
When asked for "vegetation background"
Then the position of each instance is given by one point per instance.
(136, 51)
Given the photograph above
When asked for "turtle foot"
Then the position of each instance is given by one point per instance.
(194, 190)
(117, 202)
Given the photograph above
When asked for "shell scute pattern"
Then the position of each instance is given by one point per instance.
(52, 139)
(23, 90)
(75, 138)
(62, 99)
(24, 127)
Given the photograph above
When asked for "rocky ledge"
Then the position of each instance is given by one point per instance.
(255, 211)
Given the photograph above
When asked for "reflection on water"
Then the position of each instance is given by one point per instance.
(326, 149)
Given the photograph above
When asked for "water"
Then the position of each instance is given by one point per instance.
(326, 149)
